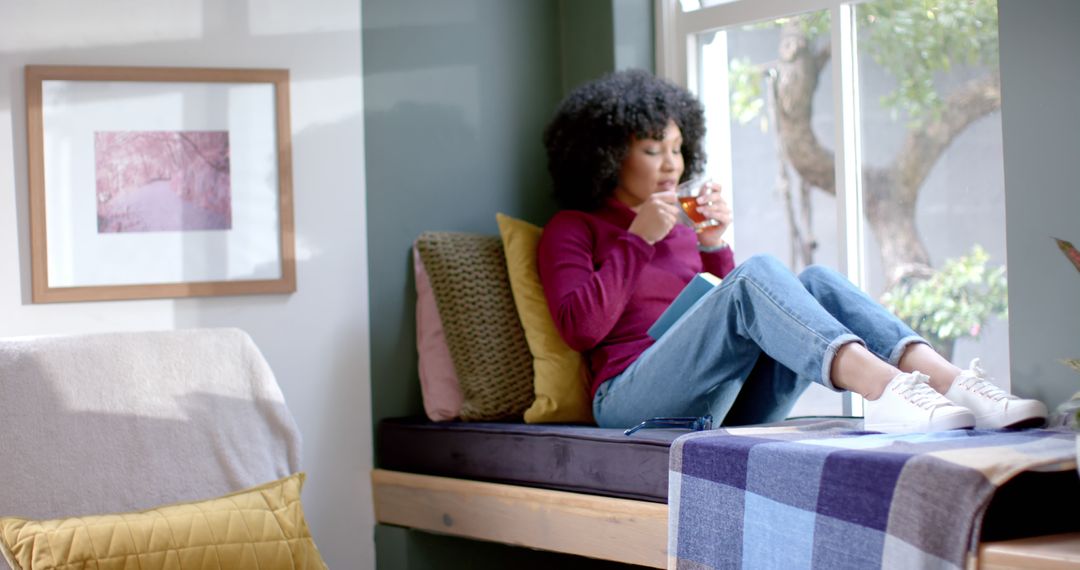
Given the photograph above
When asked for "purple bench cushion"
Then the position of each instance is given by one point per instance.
(571, 458)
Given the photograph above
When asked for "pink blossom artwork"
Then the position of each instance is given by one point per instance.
(153, 181)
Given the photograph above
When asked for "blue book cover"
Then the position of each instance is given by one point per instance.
(694, 290)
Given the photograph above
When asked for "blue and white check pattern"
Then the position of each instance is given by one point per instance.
(824, 495)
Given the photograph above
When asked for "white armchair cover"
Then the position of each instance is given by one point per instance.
(99, 423)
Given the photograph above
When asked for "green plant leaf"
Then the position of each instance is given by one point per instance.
(1070, 252)
(1073, 363)
(955, 302)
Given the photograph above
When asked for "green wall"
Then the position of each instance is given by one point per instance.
(586, 40)
(633, 21)
(456, 95)
(597, 36)
(403, 549)
(1040, 79)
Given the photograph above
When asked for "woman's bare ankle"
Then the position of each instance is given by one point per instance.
(876, 393)
(922, 357)
(856, 369)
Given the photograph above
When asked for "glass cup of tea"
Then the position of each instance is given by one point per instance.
(688, 194)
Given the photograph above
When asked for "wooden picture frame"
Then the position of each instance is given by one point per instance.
(158, 182)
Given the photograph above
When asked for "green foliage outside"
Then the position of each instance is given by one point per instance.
(910, 39)
(746, 99)
(1073, 255)
(913, 41)
(954, 303)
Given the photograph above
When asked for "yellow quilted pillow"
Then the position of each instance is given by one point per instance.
(560, 377)
(261, 528)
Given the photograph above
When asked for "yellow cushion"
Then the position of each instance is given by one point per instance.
(560, 377)
(259, 528)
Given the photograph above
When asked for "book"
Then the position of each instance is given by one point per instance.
(697, 287)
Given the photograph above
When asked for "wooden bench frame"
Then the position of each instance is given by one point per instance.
(607, 528)
(623, 530)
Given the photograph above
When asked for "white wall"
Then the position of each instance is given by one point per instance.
(316, 339)
(1040, 79)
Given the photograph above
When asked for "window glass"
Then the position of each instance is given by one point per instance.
(928, 160)
(777, 211)
(932, 178)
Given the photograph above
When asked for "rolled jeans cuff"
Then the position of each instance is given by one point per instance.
(830, 353)
(902, 346)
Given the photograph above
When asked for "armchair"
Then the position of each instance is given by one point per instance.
(116, 422)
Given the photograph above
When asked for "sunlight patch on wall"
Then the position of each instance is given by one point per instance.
(273, 17)
(331, 101)
(35, 26)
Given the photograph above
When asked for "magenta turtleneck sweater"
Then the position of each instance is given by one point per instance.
(605, 286)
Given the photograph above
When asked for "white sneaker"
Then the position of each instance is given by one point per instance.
(993, 407)
(909, 404)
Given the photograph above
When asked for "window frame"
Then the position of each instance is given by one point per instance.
(676, 52)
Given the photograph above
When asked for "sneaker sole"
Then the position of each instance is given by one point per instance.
(958, 422)
(1029, 416)
(1031, 422)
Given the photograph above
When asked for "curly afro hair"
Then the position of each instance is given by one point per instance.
(590, 134)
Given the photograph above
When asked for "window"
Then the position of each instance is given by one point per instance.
(865, 137)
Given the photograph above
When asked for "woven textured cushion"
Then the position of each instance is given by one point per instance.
(472, 291)
(439, 385)
(261, 528)
(560, 376)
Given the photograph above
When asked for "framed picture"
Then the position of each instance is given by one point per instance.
(158, 182)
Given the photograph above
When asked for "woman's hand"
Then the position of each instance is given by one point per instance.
(655, 217)
(713, 206)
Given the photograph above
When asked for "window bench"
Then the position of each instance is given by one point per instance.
(467, 480)
(623, 530)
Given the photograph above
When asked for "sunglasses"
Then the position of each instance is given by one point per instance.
(690, 423)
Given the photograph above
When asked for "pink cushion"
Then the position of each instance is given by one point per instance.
(438, 382)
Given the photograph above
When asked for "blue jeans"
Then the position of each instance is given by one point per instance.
(747, 349)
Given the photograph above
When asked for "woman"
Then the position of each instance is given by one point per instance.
(615, 257)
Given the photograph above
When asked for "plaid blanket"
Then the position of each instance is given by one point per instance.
(823, 495)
